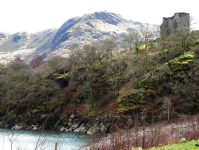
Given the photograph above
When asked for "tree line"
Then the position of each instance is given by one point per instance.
(21, 83)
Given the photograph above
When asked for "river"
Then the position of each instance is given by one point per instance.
(44, 140)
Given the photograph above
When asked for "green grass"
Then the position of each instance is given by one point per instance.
(190, 145)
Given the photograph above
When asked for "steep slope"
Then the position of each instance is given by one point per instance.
(107, 95)
(62, 34)
(177, 81)
(78, 31)
(14, 42)
(76, 26)
(24, 45)
(3, 37)
(73, 34)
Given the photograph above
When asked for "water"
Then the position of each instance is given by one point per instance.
(29, 139)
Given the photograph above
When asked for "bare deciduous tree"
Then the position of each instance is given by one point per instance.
(133, 40)
(2, 66)
(17, 65)
(147, 32)
(36, 61)
(183, 34)
(167, 105)
(55, 62)
(89, 54)
(18, 60)
(96, 52)
(115, 70)
(106, 48)
(128, 41)
(165, 31)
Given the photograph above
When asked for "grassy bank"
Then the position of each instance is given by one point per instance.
(187, 145)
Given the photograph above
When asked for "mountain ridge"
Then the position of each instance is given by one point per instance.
(74, 31)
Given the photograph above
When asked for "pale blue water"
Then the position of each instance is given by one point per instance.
(28, 139)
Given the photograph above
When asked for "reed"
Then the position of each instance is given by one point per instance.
(154, 135)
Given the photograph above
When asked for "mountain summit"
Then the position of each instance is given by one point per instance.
(73, 34)
(87, 27)
(106, 17)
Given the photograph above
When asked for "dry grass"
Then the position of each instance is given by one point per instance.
(155, 135)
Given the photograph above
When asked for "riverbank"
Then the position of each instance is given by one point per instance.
(73, 123)
(122, 131)
(157, 135)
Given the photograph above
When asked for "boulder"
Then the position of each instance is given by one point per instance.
(65, 121)
(93, 130)
(75, 124)
(70, 124)
(17, 127)
(63, 129)
(68, 130)
(34, 127)
(103, 129)
(72, 116)
(81, 128)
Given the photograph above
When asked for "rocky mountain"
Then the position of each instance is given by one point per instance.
(74, 33)
(24, 45)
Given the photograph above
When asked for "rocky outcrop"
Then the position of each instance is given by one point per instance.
(17, 127)
(90, 125)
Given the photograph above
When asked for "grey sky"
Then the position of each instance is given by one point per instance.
(37, 15)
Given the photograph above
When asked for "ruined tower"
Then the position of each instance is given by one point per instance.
(171, 24)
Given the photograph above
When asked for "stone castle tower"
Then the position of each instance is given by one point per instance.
(171, 24)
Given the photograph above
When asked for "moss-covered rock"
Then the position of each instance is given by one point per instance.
(35, 110)
(156, 83)
(181, 62)
(133, 100)
(147, 80)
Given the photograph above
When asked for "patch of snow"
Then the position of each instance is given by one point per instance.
(109, 28)
(6, 57)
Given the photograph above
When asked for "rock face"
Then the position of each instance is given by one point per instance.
(73, 34)
(90, 125)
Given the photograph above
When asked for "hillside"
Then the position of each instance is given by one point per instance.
(24, 45)
(102, 95)
(73, 34)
